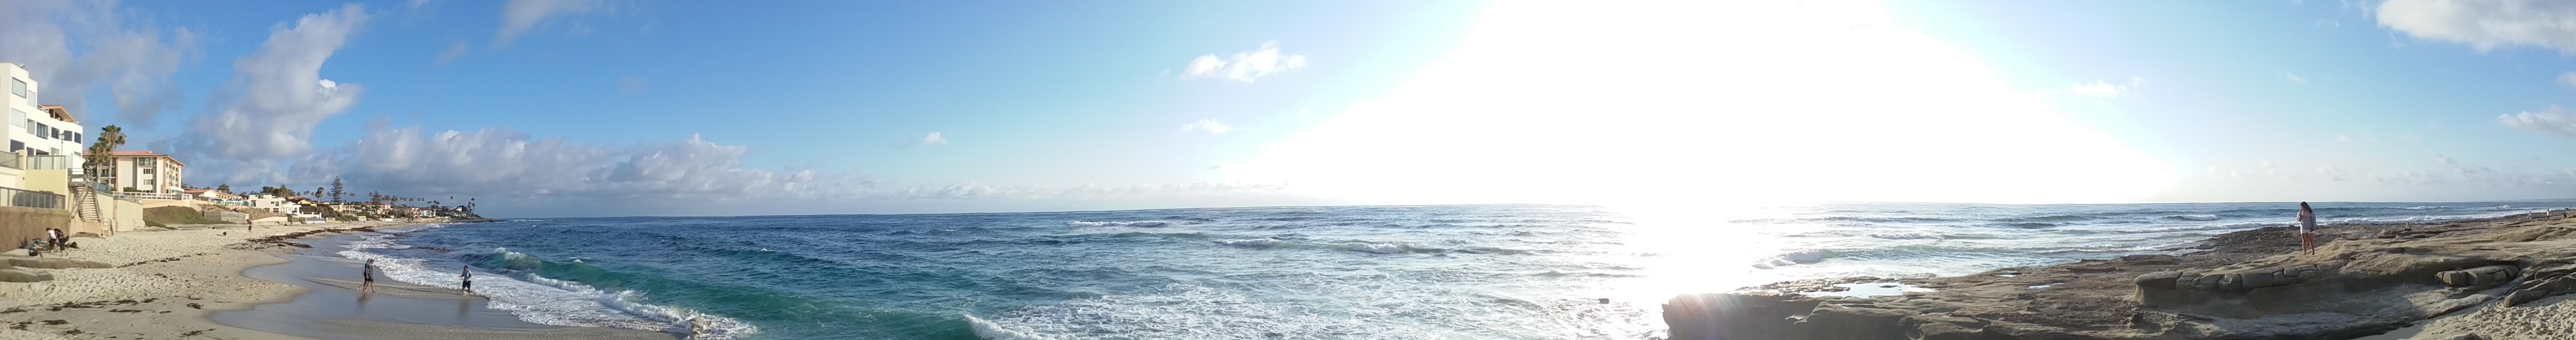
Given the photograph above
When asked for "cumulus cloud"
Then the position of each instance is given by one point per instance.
(75, 48)
(500, 163)
(1211, 126)
(1243, 66)
(277, 94)
(2485, 24)
(2554, 121)
(503, 162)
(520, 16)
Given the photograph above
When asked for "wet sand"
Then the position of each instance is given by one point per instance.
(184, 284)
(333, 308)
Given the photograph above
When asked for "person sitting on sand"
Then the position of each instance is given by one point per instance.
(54, 239)
(2307, 229)
(368, 274)
(468, 278)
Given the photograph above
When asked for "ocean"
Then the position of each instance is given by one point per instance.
(1358, 272)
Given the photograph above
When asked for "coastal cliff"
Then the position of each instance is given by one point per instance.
(2254, 284)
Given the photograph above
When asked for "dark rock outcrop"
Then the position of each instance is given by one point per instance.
(2247, 285)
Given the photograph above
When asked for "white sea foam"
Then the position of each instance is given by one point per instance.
(1118, 224)
(1264, 242)
(1908, 236)
(1380, 248)
(2194, 217)
(994, 331)
(549, 301)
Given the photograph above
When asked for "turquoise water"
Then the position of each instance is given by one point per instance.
(1463, 272)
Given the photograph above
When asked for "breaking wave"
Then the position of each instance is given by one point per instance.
(548, 301)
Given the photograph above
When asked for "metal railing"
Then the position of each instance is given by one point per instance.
(31, 199)
(48, 162)
(150, 195)
(12, 160)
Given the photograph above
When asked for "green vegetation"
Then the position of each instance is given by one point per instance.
(177, 215)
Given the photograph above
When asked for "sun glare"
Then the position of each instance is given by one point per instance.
(1703, 102)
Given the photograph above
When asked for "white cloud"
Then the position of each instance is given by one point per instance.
(2342, 138)
(2554, 121)
(502, 162)
(2294, 78)
(74, 48)
(519, 16)
(1243, 66)
(2568, 79)
(453, 51)
(1211, 126)
(632, 85)
(278, 94)
(933, 139)
(2485, 24)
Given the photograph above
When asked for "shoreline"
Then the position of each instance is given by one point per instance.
(171, 284)
(2494, 278)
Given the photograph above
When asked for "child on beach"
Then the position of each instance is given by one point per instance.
(468, 278)
(2307, 229)
(368, 273)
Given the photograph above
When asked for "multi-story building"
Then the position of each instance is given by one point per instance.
(143, 171)
(41, 137)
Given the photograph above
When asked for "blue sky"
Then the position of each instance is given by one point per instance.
(636, 107)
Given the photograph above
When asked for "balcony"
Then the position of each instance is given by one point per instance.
(30, 199)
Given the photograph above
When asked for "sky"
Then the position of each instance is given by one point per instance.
(541, 108)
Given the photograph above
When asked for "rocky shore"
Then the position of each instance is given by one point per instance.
(2499, 278)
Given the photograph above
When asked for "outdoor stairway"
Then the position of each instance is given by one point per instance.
(85, 202)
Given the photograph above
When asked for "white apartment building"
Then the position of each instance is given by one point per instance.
(39, 129)
(42, 138)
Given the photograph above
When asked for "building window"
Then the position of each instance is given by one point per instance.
(19, 87)
(145, 161)
(147, 171)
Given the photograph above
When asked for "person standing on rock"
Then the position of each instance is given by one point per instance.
(2307, 229)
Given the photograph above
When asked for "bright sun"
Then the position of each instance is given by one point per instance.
(1701, 102)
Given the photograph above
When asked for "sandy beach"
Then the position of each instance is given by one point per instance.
(169, 284)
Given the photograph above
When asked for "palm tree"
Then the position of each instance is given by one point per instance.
(102, 152)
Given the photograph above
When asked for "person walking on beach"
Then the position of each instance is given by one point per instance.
(2307, 229)
(468, 278)
(368, 274)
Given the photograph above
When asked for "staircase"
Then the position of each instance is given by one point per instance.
(85, 200)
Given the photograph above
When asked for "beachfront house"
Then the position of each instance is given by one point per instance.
(153, 175)
(39, 173)
(272, 204)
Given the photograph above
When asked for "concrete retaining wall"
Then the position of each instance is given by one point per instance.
(19, 224)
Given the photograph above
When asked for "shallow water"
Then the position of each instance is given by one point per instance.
(1483, 272)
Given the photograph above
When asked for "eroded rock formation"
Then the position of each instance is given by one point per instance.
(2247, 285)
